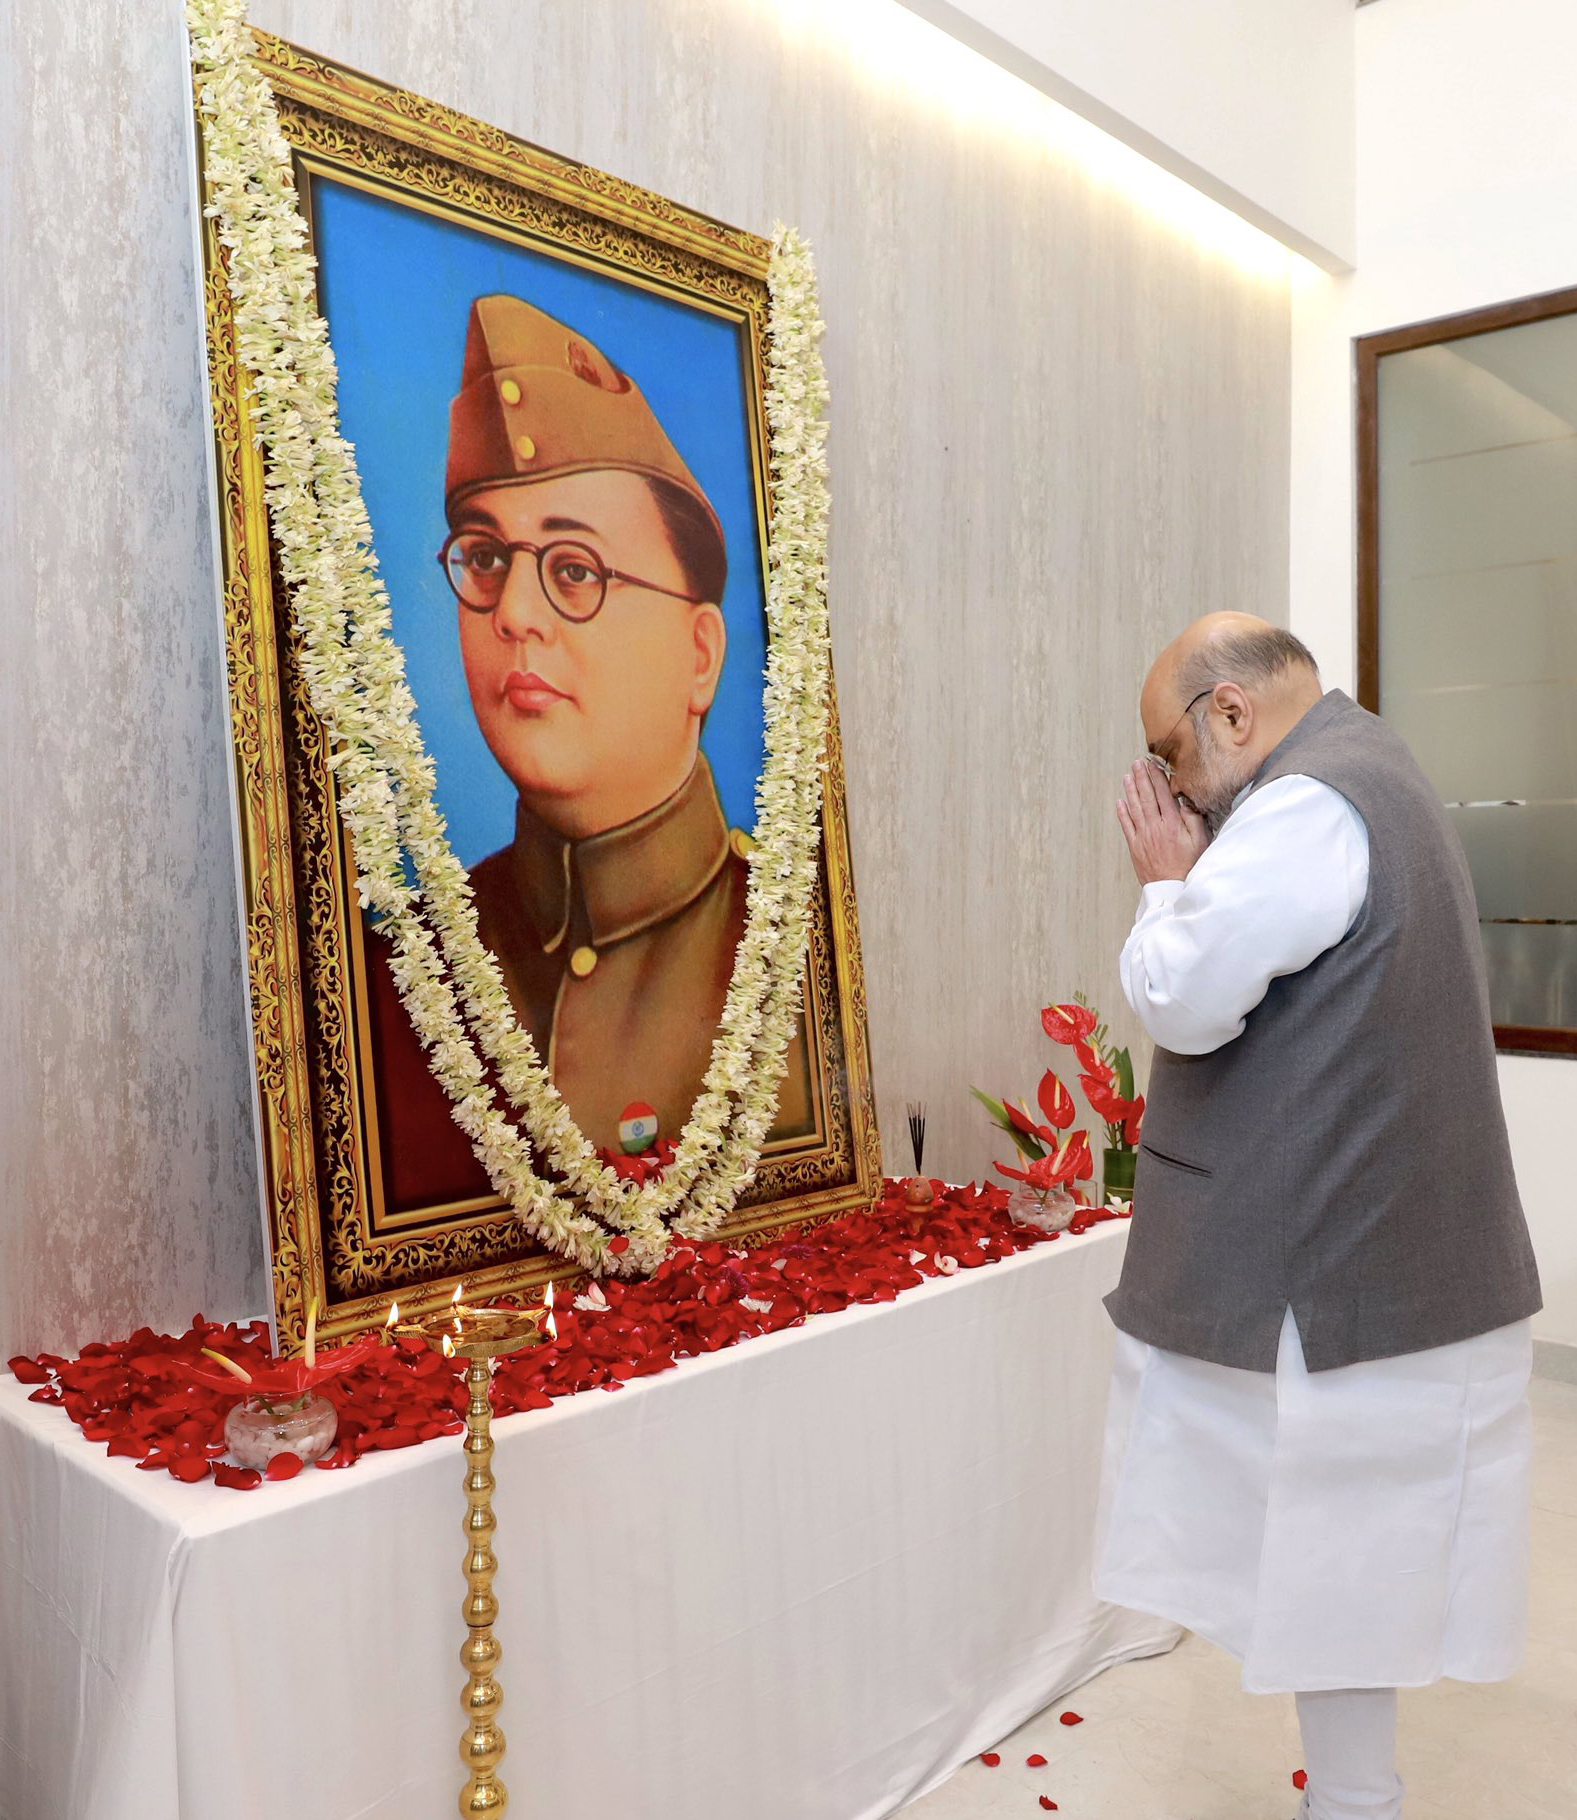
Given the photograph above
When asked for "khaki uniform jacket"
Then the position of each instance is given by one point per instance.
(617, 953)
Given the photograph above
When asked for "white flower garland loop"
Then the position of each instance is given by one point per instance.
(447, 978)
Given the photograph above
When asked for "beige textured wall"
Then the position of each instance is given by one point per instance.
(1060, 431)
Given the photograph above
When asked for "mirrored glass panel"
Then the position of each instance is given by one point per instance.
(1468, 619)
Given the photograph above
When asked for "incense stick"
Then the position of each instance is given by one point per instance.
(916, 1110)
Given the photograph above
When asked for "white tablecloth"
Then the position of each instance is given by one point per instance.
(799, 1580)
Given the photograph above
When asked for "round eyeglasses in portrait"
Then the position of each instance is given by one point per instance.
(573, 577)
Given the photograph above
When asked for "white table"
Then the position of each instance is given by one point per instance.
(802, 1579)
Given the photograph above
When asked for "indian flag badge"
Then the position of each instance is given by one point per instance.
(638, 1128)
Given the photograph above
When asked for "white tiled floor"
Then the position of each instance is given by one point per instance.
(1176, 1738)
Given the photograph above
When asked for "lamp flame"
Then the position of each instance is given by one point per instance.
(394, 1315)
(448, 1347)
(459, 1290)
(552, 1324)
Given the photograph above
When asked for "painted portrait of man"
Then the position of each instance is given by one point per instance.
(586, 654)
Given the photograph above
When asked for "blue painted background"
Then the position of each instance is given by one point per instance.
(396, 286)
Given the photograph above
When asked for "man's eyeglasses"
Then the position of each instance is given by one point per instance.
(573, 576)
(1164, 765)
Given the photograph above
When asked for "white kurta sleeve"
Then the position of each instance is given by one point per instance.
(1283, 881)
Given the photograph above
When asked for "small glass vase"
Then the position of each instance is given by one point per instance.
(1051, 1211)
(1117, 1168)
(256, 1430)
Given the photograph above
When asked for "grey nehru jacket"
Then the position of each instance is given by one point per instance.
(1347, 1154)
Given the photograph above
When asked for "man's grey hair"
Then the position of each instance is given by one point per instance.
(1254, 660)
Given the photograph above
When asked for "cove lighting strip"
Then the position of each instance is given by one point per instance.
(897, 50)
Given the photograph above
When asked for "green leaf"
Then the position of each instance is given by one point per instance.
(1124, 1065)
(999, 1112)
(1031, 1147)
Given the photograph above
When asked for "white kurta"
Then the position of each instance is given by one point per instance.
(1362, 1527)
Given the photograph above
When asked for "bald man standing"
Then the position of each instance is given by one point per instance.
(1319, 1442)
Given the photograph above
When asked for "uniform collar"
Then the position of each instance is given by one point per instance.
(627, 879)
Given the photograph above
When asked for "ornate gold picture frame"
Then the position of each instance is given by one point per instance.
(367, 1191)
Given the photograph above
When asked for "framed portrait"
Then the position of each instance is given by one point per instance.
(553, 382)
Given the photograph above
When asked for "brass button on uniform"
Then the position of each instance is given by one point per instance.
(582, 962)
(741, 844)
(509, 391)
(525, 448)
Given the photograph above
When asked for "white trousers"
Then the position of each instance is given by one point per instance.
(1366, 1527)
(1349, 1751)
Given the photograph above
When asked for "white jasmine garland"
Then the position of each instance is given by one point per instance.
(448, 980)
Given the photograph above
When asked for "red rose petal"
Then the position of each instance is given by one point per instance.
(991, 1758)
(1047, 1803)
(189, 1468)
(137, 1395)
(1071, 1719)
(1035, 1762)
(27, 1371)
(1300, 1778)
(284, 1466)
(237, 1478)
(619, 1246)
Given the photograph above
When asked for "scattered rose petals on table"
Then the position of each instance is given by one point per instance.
(1047, 1803)
(990, 1758)
(1035, 1762)
(1300, 1779)
(1071, 1719)
(137, 1396)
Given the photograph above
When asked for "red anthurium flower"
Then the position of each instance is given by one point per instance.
(277, 1380)
(1133, 1122)
(1056, 1102)
(1023, 1122)
(1069, 1162)
(1069, 1024)
(1101, 1091)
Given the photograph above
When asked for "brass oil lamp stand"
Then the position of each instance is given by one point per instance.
(479, 1336)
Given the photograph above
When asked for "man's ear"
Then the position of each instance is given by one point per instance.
(1236, 710)
(710, 634)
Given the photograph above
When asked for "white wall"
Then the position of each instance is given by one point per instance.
(1059, 424)
(1249, 100)
(1467, 195)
